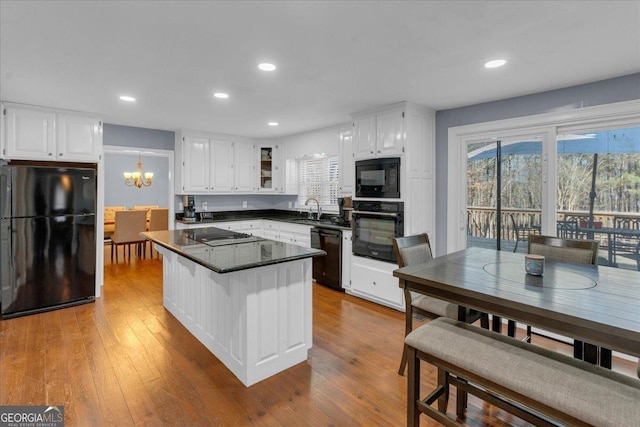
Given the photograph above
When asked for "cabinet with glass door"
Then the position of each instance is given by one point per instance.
(270, 169)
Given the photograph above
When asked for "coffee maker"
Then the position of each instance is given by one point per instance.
(344, 210)
(189, 211)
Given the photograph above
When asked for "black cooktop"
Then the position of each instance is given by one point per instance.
(215, 234)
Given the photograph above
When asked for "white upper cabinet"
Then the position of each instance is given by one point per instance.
(279, 169)
(195, 164)
(271, 173)
(207, 165)
(35, 133)
(31, 134)
(79, 138)
(245, 167)
(379, 135)
(390, 134)
(347, 164)
(364, 137)
(221, 166)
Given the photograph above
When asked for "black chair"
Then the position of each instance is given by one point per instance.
(624, 245)
(521, 232)
(578, 221)
(414, 250)
(567, 229)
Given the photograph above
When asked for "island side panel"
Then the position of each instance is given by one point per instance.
(258, 322)
(279, 318)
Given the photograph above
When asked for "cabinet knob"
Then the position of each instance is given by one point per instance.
(371, 152)
(51, 154)
(60, 155)
(378, 151)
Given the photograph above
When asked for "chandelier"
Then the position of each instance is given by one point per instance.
(136, 178)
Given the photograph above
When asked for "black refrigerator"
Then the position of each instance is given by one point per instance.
(47, 238)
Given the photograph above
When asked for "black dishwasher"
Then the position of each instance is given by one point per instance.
(327, 270)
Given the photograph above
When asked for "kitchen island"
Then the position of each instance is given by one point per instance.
(247, 299)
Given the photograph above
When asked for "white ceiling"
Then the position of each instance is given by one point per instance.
(334, 57)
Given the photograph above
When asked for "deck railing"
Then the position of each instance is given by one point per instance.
(482, 221)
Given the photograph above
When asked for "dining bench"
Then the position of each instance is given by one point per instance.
(538, 385)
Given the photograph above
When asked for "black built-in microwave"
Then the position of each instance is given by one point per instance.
(378, 178)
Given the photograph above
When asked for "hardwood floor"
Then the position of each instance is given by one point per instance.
(124, 360)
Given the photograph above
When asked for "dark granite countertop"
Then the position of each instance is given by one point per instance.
(228, 257)
(327, 221)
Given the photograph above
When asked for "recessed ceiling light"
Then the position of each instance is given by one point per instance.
(127, 98)
(265, 66)
(495, 63)
(221, 95)
(273, 123)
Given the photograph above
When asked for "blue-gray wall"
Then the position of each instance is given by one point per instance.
(118, 194)
(619, 89)
(230, 202)
(128, 136)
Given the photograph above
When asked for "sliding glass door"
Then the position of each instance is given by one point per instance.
(504, 191)
(598, 193)
(596, 175)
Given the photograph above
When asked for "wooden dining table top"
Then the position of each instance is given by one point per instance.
(595, 304)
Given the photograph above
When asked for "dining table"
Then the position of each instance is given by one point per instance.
(612, 234)
(592, 303)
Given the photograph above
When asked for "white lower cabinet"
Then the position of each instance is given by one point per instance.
(253, 227)
(271, 230)
(271, 234)
(228, 225)
(346, 259)
(298, 234)
(373, 280)
(183, 226)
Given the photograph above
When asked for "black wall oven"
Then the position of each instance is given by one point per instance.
(375, 224)
(378, 178)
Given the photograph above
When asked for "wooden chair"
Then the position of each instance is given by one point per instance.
(577, 251)
(146, 208)
(128, 226)
(158, 220)
(413, 250)
(110, 219)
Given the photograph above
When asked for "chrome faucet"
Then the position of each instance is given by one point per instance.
(319, 212)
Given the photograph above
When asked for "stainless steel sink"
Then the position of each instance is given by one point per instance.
(315, 222)
(304, 220)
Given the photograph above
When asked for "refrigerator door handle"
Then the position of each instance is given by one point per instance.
(5, 193)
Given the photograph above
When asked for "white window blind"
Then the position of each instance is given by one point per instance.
(291, 181)
(318, 178)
